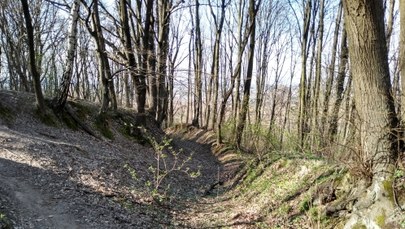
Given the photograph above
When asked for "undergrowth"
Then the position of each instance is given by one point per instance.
(167, 161)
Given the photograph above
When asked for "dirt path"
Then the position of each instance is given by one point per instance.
(58, 178)
(55, 177)
(33, 207)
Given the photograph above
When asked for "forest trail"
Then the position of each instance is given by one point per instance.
(33, 207)
(60, 178)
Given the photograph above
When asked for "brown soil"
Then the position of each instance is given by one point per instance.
(56, 177)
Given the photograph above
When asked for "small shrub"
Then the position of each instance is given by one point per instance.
(167, 161)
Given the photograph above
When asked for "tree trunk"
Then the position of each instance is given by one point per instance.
(138, 79)
(390, 22)
(375, 105)
(34, 71)
(70, 57)
(340, 81)
(302, 115)
(104, 70)
(318, 73)
(331, 69)
(197, 68)
(246, 90)
(402, 57)
(215, 61)
(164, 9)
(236, 72)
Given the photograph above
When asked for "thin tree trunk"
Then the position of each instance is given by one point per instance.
(390, 22)
(215, 61)
(402, 57)
(331, 69)
(318, 73)
(70, 57)
(302, 115)
(164, 14)
(333, 124)
(197, 68)
(103, 65)
(246, 90)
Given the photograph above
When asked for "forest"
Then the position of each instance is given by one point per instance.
(310, 78)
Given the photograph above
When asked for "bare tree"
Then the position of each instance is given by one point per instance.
(219, 24)
(31, 46)
(331, 68)
(60, 99)
(198, 67)
(253, 8)
(302, 115)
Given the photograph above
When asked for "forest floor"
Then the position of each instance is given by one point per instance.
(52, 176)
(56, 175)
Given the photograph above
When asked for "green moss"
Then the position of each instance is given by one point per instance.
(305, 204)
(82, 111)
(103, 126)
(359, 226)
(380, 220)
(46, 118)
(387, 184)
(70, 123)
(6, 114)
(284, 209)
(133, 133)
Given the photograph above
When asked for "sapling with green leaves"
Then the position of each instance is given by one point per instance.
(167, 161)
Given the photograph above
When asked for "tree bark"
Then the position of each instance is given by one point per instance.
(302, 115)
(215, 62)
(402, 57)
(31, 46)
(331, 69)
(197, 68)
(246, 90)
(104, 70)
(340, 81)
(318, 73)
(70, 57)
(368, 54)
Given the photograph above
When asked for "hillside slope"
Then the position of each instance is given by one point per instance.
(54, 174)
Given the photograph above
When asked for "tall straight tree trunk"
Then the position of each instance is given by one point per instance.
(375, 105)
(104, 70)
(318, 73)
(31, 48)
(63, 92)
(236, 72)
(215, 61)
(246, 90)
(287, 107)
(402, 57)
(164, 14)
(197, 68)
(149, 60)
(236, 96)
(302, 115)
(138, 79)
(278, 70)
(390, 22)
(331, 68)
(340, 81)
